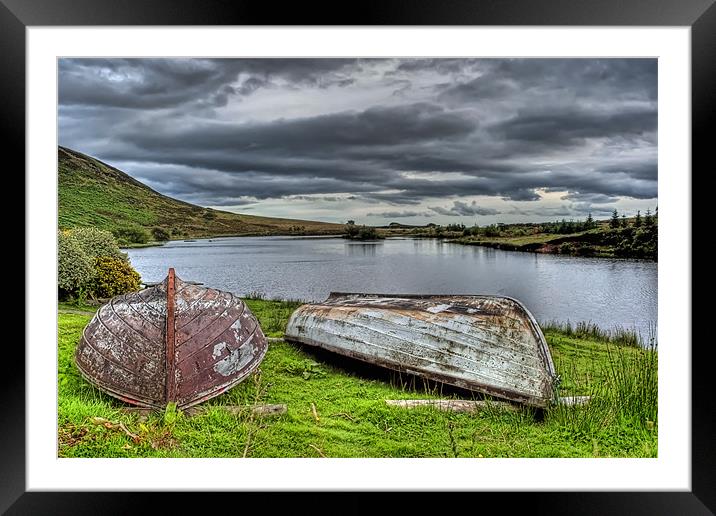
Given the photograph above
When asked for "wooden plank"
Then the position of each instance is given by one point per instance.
(171, 341)
(452, 405)
(574, 400)
(259, 410)
(475, 405)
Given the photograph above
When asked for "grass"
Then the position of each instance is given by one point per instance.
(600, 241)
(92, 193)
(351, 418)
(589, 330)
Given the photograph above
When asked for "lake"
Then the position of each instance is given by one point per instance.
(608, 292)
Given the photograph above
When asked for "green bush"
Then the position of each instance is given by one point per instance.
(131, 235)
(566, 248)
(367, 233)
(160, 234)
(74, 268)
(114, 276)
(351, 230)
(96, 242)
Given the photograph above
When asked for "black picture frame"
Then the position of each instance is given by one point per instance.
(699, 15)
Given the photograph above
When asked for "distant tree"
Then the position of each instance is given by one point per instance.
(589, 224)
(637, 219)
(648, 218)
(351, 230)
(351, 222)
(455, 227)
(614, 221)
(624, 221)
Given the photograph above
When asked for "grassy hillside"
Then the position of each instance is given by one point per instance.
(336, 407)
(92, 193)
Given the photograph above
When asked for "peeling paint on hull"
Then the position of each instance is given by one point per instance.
(488, 344)
(125, 349)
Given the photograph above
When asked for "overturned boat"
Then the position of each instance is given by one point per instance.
(488, 344)
(174, 342)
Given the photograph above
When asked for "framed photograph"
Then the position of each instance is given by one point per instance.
(378, 175)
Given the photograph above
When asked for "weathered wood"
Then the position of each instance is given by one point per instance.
(133, 350)
(574, 400)
(170, 339)
(259, 410)
(475, 405)
(452, 405)
(315, 413)
(155, 283)
(488, 344)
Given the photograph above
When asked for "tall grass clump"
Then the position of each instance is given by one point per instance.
(588, 330)
(626, 397)
(633, 384)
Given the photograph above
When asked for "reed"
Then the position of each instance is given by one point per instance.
(589, 330)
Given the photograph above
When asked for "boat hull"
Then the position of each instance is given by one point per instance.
(174, 342)
(487, 344)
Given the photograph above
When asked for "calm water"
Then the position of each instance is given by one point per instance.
(607, 292)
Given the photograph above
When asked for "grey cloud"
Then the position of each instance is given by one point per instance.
(585, 127)
(460, 208)
(564, 127)
(591, 198)
(161, 83)
(573, 80)
(400, 214)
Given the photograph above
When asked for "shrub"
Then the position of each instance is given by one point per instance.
(74, 268)
(113, 277)
(491, 231)
(367, 233)
(351, 229)
(566, 248)
(584, 250)
(96, 242)
(131, 235)
(160, 234)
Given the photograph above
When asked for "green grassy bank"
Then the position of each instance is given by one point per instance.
(92, 193)
(351, 418)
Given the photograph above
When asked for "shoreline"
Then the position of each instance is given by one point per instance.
(544, 248)
(160, 243)
(536, 247)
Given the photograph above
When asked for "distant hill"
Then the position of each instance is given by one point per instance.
(92, 193)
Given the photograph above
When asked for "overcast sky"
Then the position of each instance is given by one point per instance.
(375, 140)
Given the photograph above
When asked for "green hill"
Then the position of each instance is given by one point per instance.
(92, 193)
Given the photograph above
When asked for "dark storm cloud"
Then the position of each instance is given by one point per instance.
(645, 170)
(461, 209)
(396, 132)
(376, 126)
(587, 79)
(564, 127)
(162, 83)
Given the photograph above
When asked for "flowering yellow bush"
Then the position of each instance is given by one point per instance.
(114, 276)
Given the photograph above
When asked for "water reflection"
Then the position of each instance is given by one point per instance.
(361, 248)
